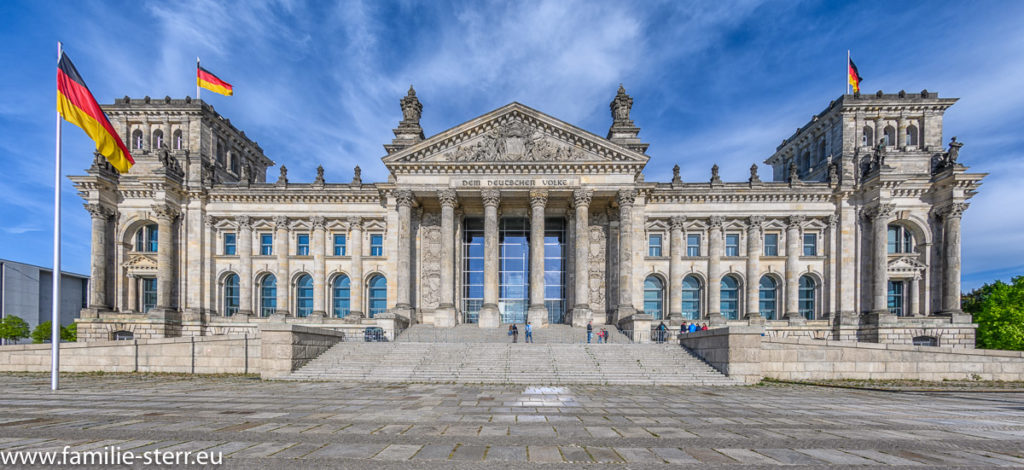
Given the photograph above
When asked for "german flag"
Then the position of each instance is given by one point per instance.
(210, 81)
(76, 105)
(854, 77)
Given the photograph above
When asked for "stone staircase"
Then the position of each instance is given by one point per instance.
(558, 334)
(413, 359)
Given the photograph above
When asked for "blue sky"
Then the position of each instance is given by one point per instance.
(319, 83)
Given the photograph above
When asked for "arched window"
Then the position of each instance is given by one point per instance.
(890, 136)
(867, 137)
(304, 296)
(900, 239)
(730, 303)
(137, 139)
(925, 341)
(220, 152)
(768, 298)
(654, 297)
(805, 160)
(378, 290)
(691, 298)
(231, 295)
(158, 139)
(146, 238)
(179, 141)
(268, 295)
(912, 135)
(122, 335)
(233, 158)
(821, 150)
(806, 298)
(342, 294)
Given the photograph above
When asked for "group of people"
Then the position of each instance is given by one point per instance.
(602, 335)
(513, 331)
(692, 327)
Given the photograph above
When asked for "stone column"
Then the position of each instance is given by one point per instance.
(951, 268)
(133, 293)
(319, 266)
(901, 132)
(715, 270)
(754, 269)
(581, 312)
(625, 198)
(880, 259)
(165, 215)
(245, 280)
(445, 313)
(355, 226)
(914, 300)
(793, 246)
(403, 306)
(284, 282)
(832, 260)
(98, 266)
(489, 317)
(538, 313)
(675, 271)
(570, 262)
(878, 132)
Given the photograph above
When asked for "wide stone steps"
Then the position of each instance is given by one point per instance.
(496, 363)
(551, 334)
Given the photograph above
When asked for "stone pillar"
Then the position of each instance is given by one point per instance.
(319, 266)
(675, 270)
(165, 215)
(832, 307)
(570, 262)
(403, 306)
(355, 226)
(284, 282)
(538, 313)
(715, 270)
(901, 132)
(625, 198)
(133, 293)
(951, 267)
(754, 269)
(98, 266)
(245, 280)
(879, 134)
(914, 300)
(445, 313)
(581, 312)
(793, 247)
(489, 315)
(880, 259)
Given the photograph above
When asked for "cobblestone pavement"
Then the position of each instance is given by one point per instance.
(274, 424)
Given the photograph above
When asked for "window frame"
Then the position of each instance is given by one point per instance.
(343, 245)
(735, 247)
(774, 246)
(655, 249)
(229, 248)
(302, 244)
(813, 245)
(376, 249)
(303, 302)
(693, 249)
(339, 285)
(266, 248)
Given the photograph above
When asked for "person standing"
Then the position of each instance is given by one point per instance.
(590, 329)
(662, 330)
(682, 328)
(529, 332)
(515, 333)
(693, 327)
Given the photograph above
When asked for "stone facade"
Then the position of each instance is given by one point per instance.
(516, 216)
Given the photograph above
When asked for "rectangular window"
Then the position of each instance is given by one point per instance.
(302, 245)
(472, 269)
(148, 293)
(229, 244)
(339, 245)
(654, 245)
(810, 244)
(732, 244)
(377, 245)
(693, 245)
(266, 244)
(895, 298)
(771, 244)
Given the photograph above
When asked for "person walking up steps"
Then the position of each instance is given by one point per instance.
(529, 332)
(515, 333)
(590, 330)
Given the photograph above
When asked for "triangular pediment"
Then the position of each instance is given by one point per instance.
(514, 133)
(905, 264)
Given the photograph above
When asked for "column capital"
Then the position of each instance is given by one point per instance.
(448, 198)
(355, 222)
(243, 221)
(318, 222)
(99, 211)
(491, 197)
(833, 220)
(796, 222)
(404, 197)
(581, 197)
(209, 220)
(954, 210)
(881, 211)
(625, 197)
(281, 222)
(715, 222)
(165, 212)
(676, 223)
(538, 197)
(755, 223)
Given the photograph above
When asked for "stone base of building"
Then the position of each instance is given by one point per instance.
(537, 316)
(489, 316)
(883, 328)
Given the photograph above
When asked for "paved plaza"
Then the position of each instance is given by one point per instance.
(308, 424)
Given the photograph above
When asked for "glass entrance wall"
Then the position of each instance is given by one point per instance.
(554, 269)
(514, 275)
(472, 269)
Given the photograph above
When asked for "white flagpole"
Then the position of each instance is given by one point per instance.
(847, 71)
(55, 299)
(197, 77)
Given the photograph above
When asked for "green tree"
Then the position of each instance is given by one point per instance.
(13, 328)
(41, 333)
(998, 309)
(69, 333)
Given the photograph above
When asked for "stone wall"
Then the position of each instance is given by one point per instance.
(808, 359)
(732, 350)
(103, 326)
(286, 348)
(200, 355)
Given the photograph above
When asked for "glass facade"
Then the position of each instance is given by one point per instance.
(339, 245)
(654, 297)
(148, 293)
(514, 274)
(554, 269)
(229, 244)
(304, 296)
(378, 295)
(730, 299)
(341, 291)
(732, 244)
(691, 298)
(768, 298)
(231, 295)
(472, 269)
(268, 295)
(806, 298)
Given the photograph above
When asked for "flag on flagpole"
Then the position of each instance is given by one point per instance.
(76, 105)
(210, 81)
(854, 77)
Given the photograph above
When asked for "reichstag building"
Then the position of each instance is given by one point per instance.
(517, 216)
